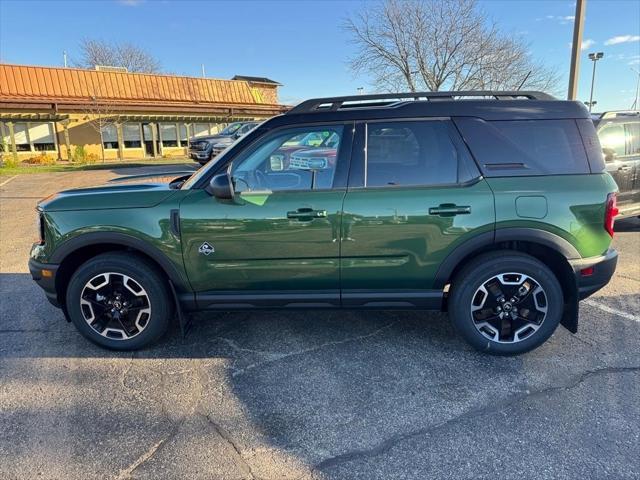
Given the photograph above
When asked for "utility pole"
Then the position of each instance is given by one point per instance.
(594, 57)
(576, 46)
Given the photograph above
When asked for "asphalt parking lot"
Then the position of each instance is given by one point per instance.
(322, 395)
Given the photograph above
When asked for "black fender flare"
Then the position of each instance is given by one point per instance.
(531, 235)
(67, 248)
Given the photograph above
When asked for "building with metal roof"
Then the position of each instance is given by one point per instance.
(121, 114)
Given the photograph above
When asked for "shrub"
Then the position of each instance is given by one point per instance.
(41, 159)
(79, 154)
(91, 158)
(9, 161)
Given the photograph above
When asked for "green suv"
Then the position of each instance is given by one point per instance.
(493, 206)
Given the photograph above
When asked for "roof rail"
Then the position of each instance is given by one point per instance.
(620, 113)
(394, 99)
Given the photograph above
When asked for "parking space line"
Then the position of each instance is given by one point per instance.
(613, 311)
(7, 181)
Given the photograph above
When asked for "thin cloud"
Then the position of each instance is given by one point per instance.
(585, 44)
(563, 19)
(623, 39)
(130, 3)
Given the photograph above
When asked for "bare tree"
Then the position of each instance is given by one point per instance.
(441, 45)
(133, 58)
(100, 113)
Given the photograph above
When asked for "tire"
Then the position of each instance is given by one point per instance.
(476, 288)
(132, 283)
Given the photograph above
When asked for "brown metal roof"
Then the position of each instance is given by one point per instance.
(34, 83)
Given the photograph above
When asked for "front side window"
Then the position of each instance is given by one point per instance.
(612, 140)
(169, 134)
(279, 163)
(109, 136)
(42, 136)
(131, 135)
(410, 153)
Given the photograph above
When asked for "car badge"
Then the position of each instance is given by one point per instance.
(206, 249)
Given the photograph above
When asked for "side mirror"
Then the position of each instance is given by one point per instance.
(609, 154)
(221, 187)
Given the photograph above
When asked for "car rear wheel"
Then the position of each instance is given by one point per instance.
(119, 301)
(505, 303)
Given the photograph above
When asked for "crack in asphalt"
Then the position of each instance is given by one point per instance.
(227, 438)
(392, 441)
(279, 356)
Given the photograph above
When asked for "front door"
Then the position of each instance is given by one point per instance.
(277, 243)
(414, 195)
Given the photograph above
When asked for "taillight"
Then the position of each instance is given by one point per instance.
(610, 213)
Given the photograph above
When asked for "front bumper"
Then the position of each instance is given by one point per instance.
(199, 155)
(588, 282)
(47, 283)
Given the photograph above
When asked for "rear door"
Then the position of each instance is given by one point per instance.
(414, 195)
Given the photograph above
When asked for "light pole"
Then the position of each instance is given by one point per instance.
(594, 57)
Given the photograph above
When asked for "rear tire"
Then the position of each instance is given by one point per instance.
(119, 301)
(505, 303)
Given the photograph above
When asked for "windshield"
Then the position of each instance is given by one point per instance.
(230, 129)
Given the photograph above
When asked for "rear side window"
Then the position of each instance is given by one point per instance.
(633, 138)
(525, 147)
(410, 153)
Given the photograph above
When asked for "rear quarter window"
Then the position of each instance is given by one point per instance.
(525, 147)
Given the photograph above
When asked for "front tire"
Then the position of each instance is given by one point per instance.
(119, 301)
(505, 303)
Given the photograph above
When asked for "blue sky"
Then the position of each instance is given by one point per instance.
(301, 43)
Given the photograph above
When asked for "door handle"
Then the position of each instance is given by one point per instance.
(449, 210)
(307, 213)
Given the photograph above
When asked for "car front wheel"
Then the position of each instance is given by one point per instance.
(506, 303)
(119, 301)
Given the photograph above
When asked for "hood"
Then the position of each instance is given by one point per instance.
(119, 195)
(207, 138)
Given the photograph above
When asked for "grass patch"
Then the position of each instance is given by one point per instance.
(21, 169)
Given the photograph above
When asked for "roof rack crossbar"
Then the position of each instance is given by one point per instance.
(335, 103)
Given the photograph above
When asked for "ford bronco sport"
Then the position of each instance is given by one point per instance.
(493, 206)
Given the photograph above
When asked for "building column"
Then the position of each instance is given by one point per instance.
(67, 142)
(12, 139)
(120, 137)
(154, 138)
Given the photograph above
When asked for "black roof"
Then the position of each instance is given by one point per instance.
(256, 79)
(487, 105)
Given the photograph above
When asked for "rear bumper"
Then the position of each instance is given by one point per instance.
(603, 268)
(47, 283)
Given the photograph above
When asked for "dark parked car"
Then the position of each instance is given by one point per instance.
(201, 149)
(495, 208)
(619, 134)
